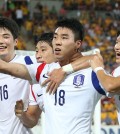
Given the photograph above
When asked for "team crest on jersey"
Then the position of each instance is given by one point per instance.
(78, 80)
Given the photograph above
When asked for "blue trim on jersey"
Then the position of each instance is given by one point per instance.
(28, 60)
(96, 84)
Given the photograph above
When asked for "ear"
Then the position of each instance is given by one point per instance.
(16, 42)
(78, 44)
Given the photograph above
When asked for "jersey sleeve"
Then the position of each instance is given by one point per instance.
(35, 71)
(32, 97)
(96, 84)
(36, 96)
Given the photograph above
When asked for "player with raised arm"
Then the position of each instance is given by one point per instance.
(110, 82)
(44, 53)
(75, 99)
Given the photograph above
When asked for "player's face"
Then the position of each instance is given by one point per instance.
(7, 44)
(44, 52)
(117, 49)
(64, 45)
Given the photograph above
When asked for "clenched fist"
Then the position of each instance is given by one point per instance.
(19, 108)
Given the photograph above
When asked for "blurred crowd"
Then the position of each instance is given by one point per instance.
(99, 17)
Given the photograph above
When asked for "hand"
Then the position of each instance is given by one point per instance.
(96, 61)
(19, 108)
(54, 80)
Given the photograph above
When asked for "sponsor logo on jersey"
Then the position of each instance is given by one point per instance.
(78, 80)
(39, 95)
(45, 75)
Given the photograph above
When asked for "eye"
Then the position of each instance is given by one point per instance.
(64, 37)
(6, 37)
(43, 50)
(54, 37)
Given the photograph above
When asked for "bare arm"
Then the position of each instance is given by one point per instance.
(30, 117)
(15, 69)
(110, 83)
(58, 75)
(81, 63)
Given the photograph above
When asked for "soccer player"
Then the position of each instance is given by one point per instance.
(44, 53)
(11, 88)
(110, 83)
(71, 108)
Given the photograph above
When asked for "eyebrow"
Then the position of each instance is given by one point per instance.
(61, 34)
(6, 34)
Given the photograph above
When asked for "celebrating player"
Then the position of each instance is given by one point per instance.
(44, 53)
(74, 101)
(112, 84)
(11, 88)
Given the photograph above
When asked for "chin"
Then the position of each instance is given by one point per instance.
(118, 61)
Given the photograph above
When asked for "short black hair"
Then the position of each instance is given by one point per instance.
(46, 37)
(74, 25)
(11, 25)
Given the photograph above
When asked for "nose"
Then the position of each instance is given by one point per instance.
(1, 40)
(38, 55)
(117, 46)
(57, 41)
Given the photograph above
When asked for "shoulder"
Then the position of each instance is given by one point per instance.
(24, 59)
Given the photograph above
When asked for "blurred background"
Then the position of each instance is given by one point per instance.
(99, 17)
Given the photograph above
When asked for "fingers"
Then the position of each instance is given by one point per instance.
(45, 82)
(55, 88)
(54, 80)
(19, 107)
(18, 112)
(50, 87)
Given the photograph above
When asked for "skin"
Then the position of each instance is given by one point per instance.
(110, 83)
(65, 47)
(7, 44)
(55, 79)
(117, 50)
(44, 53)
(7, 53)
(65, 51)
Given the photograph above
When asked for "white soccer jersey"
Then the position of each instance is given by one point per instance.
(117, 97)
(36, 96)
(11, 90)
(70, 109)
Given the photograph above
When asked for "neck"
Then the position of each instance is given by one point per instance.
(7, 58)
(71, 59)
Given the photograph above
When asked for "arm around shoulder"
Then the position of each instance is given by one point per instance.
(110, 83)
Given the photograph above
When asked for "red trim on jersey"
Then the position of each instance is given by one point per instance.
(33, 94)
(39, 71)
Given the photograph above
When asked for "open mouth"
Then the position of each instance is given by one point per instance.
(3, 47)
(118, 55)
(57, 50)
